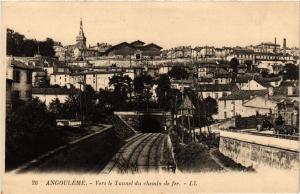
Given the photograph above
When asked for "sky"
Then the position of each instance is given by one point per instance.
(167, 24)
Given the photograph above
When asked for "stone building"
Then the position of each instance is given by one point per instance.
(18, 81)
(136, 50)
(79, 50)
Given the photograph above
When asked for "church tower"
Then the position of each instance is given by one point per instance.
(80, 39)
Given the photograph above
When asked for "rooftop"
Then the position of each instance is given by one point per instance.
(244, 94)
(20, 64)
(216, 87)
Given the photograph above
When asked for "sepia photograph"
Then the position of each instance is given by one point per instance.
(172, 96)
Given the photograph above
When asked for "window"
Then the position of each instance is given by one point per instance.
(216, 95)
(224, 103)
(225, 115)
(16, 94)
(28, 94)
(16, 76)
(29, 78)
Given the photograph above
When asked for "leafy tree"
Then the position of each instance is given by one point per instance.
(249, 64)
(264, 73)
(72, 107)
(141, 82)
(122, 86)
(46, 47)
(291, 72)
(234, 63)
(29, 48)
(211, 106)
(279, 121)
(163, 91)
(142, 88)
(56, 107)
(178, 73)
(18, 45)
(30, 129)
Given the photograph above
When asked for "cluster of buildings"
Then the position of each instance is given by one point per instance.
(136, 50)
(243, 93)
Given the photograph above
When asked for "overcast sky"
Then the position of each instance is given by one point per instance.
(166, 24)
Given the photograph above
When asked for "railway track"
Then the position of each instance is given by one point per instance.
(142, 152)
(120, 161)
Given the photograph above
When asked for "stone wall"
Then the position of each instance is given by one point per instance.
(260, 152)
(121, 128)
(134, 119)
(225, 124)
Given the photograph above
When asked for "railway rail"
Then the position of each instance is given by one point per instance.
(142, 152)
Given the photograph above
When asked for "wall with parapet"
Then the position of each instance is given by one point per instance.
(224, 124)
(260, 151)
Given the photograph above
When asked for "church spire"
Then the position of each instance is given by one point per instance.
(80, 39)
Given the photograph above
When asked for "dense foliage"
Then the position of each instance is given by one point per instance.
(19, 45)
(30, 130)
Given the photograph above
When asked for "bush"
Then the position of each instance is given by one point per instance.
(30, 131)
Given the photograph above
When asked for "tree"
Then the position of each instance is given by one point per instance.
(18, 45)
(291, 72)
(72, 107)
(163, 91)
(46, 47)
(178, 73)
(56, 107)
(264, 73)
(122, 84)
(211, 106)
(10, 43)
(234, 63)
(29, 48)
(141, 82)
(249, 64)
(142, 88)
(30, 130)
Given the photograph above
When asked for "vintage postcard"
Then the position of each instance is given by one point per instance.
(150, 97)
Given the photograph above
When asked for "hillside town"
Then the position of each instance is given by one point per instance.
(256, 87)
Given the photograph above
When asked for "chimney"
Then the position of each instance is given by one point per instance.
(284, 46)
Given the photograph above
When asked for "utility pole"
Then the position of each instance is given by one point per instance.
(80, 101)
(130, 53)
(182, 124)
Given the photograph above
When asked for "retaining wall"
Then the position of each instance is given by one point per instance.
(260, 151)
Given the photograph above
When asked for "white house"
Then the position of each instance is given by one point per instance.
(233, 104)
(259, 104)
(269, 65)
(252, 85)
(60, 78)
(47, 95)
(215, 91)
